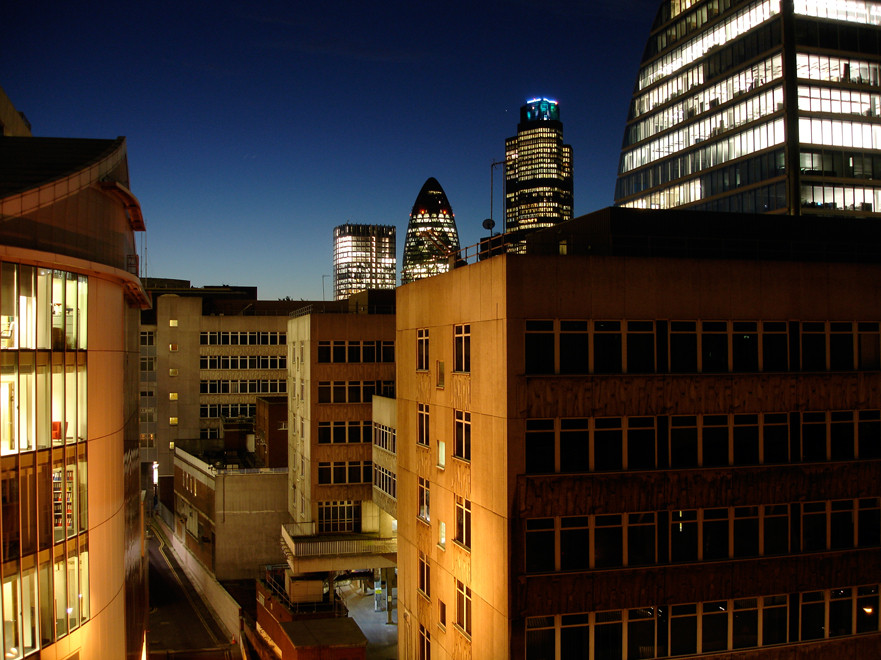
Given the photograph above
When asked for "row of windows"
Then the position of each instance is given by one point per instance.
(687, 441)
(831, 68)
(728, 30)
(838, 101)
(660, 632)
(854, 11)
(580, 543)
(342, 516)
(707, 128)
(243, 338)
(756, 200)
(251, 386)
(840, 163)
(385, 480)
(242, 362)
(353, 391)
(42, 308)
(839, 133)
(345, 472)
(384, 437)
(355, 431)
(689, 24)
(227, 410)
(355, 351)
(461, 348)
(608, 347)
(848, 198)
(708, 98)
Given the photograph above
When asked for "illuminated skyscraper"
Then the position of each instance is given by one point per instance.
(431, 234)
(768, 106)
(363, 258)
(538, 169)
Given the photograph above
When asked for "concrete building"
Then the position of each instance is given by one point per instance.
(653, 434)
(538, 170)
(71, 541)
(228, 514)
(364, 258)
(207, 354)
(340, 355)
(271, 431)
(763, 107)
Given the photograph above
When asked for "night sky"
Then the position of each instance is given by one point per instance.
(254, 129)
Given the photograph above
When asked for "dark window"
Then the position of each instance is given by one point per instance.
(714, 347)
(867, 609)
(574, 636)
(746, 531)
(683, 536)
(714, 440)
(422, 355)
(840, 612)
(607, 347)
(869, 442)
(775, 438)
(574, 347)
(869, 340)
(607, 444)
(746, 440)
(813, 522)
(539, 545)
(683, 442)
(813, 346)
(813, 436)
(775, 346)
(540, 446)
(608, 630)
(841, 436)
(640, 347)
(574, 445)
(745, 624)
(641, 443)
(775, 531)
(869, 522)
(641, 633)
(715, 534)
(462, 447)
(745, 346)
(841, 351)
(608, 542)
(539, 349)
(774, 620)
(841, 525)
(813, 614)
(463, 522)
(640, 539)
(574, 543)
(683, 347)
(714, 627)
(683, 629)
(540, 644)
(324, 351)
(462, 348)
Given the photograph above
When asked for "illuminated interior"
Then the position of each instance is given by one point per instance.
(43, 456)
(717, 122)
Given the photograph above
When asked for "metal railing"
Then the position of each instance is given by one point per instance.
(300, 546)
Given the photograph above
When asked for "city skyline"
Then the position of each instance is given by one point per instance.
(238, 188)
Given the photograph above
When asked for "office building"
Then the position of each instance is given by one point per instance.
(71, 543)
(432, 237)
(759, 107)
(340, 355)
(677, 453)
(363, 258)
(538, 170)
(207, 354)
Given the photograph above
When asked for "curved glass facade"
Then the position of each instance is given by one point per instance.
(765, 106)
(43, 456)
(432, 236)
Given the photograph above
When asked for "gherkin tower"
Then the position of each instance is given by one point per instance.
(431, 234)
(770, 106)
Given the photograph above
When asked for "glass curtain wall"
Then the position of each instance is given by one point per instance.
(43, 456)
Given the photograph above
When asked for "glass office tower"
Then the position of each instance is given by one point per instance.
(538, 169)
(432, 236)
(363, 258)
(759, 107)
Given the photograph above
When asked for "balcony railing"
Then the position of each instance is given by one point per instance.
(299, 545)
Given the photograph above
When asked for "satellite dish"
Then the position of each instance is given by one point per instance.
(489, 224)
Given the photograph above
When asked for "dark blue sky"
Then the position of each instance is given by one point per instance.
(254, 130)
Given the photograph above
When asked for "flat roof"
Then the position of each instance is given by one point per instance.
(329, 632)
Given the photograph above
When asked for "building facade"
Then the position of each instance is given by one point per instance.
(432, 237)
(676, 454)
(71, 543)
(339, 356)
(364, 258)
(538, 170)
(207, 354)
(758, 107)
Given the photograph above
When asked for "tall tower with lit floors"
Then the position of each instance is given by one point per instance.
(431, 234)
